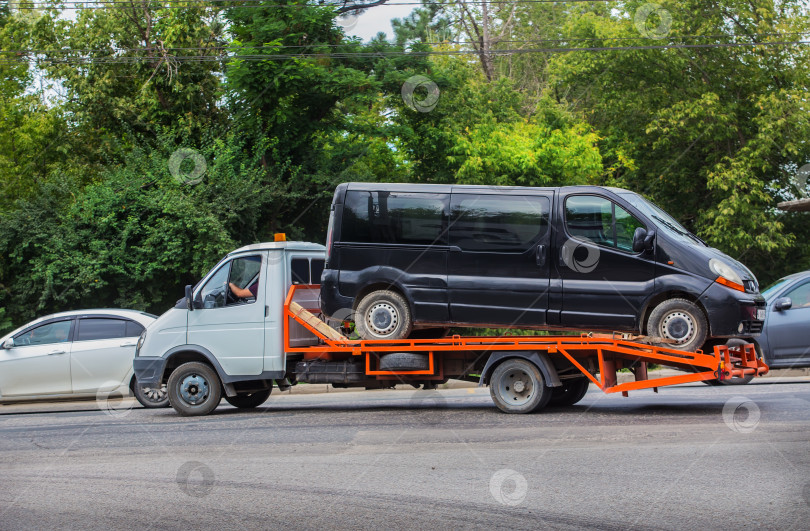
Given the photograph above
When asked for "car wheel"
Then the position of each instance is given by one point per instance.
(570, 392)
(734, 342)
(194, 389)
(681, 323)
(151, 396)
(249, 400)
(517, 386)
(383, 314)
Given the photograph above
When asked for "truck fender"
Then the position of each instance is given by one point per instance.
(540, 359)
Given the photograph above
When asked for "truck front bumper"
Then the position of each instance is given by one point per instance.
(149, 370)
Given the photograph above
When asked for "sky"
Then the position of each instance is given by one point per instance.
(374, 20)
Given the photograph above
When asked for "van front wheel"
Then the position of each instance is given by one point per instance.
(383, 314)
(679, 323)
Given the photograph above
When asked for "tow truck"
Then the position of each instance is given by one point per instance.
(253, 323)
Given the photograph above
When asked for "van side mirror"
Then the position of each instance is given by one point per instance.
(189, 298)
(639, 239)
(649, 240)
(8, 343)
(782, 303)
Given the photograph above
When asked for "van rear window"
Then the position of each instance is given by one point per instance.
(395, 217)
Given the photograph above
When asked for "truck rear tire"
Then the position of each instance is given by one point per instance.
(194, 389)
(570, 392)
(383, 314)
(679, 320)
(517, 386)
(249, 400)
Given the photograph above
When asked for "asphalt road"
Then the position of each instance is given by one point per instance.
(689, 457)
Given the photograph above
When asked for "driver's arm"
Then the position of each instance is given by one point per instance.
(242, 293)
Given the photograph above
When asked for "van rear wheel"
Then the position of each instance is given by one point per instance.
(680, 323)
(383, 314)
(194, 389)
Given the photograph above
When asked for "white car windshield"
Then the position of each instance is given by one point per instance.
(661, 219)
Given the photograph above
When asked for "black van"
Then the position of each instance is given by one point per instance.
(405, 257)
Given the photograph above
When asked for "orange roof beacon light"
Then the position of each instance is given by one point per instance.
(280, 237)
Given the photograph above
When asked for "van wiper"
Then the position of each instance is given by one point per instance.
(678, 230)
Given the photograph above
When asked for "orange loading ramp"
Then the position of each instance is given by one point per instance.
(603, 352)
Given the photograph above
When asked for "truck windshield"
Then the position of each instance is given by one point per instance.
(662, 220)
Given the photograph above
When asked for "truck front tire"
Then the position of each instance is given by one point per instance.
(194, 389)
(517, 386)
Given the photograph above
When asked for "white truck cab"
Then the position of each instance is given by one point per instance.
(231, 321)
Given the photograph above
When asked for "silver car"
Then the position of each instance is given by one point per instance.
(785, 339)
(75, 354)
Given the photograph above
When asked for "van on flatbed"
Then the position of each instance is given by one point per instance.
(412, 260)
(252, 323)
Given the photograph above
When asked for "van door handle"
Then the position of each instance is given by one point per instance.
(540, 255)
(55, 351)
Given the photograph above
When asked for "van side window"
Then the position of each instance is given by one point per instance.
(395, 217)
(601, 221)
(502, 223)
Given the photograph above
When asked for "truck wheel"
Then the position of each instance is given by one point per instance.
(194, 389)
(151, 397)
(249, 400)
(383, 314)
(569, 393)
(404, 361)
(517, 386)
(679, 320)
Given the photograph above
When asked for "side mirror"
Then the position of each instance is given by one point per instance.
(189, 298)
(782, 303)
(638, 239)
(649, 240)
(8, 343)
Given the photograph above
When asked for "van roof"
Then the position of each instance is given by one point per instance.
(448, 188)
(293, 246)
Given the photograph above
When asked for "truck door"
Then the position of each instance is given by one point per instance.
(604, 282)
(498, 268)
(229, 321)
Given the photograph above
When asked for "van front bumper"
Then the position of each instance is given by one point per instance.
(149, 370)
(732, 313)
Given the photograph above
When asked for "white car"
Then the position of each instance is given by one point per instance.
(80, 353)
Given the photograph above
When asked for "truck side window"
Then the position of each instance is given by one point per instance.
(497, 223)
(245, 277)
(600, 221)
(395, 217)
(299, 269)
(214, 292)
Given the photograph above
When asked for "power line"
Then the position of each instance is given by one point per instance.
(391, 44)
(379, 54)
(172, 4)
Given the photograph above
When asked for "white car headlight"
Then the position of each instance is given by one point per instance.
(141, 339)
(725, 271)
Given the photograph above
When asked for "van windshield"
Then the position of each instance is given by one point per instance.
(662, 220)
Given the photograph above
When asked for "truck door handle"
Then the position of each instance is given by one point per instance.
(55, 351)
(540, 255)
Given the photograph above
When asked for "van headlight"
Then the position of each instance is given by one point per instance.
(726, 275)
(141, 339)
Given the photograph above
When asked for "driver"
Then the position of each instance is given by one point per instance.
(244, 293)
